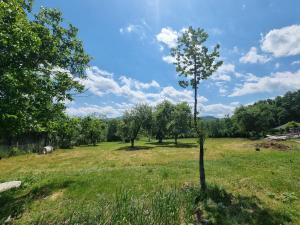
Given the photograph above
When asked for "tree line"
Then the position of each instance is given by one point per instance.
(174, 121)
(258, 119)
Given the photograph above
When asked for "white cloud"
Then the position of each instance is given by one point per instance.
(295, 62)
(250, 77)
(169, 59)
(102, 83)
(280, 81)
(111, 111)
(222, 91)
(138, 29)
(224, 72)
(253, 57)
(137, 84)
(282, 42)
(168, 36)
(218, 110)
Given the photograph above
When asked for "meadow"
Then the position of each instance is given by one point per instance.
(155, 184)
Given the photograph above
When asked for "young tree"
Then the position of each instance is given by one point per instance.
(134, 120)
(148, 121)
(180, 123)
(194, 62)
(162, 117)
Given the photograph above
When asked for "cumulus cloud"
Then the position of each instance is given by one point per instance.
(100, 83)
(295, 62)
(111, 111)
(127, 81)
(131, 91)
(282, 42)
(253, 57)
(169, 59)
(280, 81)
(218, 110)
(168, 36)
(224, 72)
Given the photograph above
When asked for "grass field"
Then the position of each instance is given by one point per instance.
(154, 184)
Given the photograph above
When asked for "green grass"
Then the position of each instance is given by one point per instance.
(154, 184)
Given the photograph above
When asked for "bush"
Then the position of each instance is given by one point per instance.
(14, 151)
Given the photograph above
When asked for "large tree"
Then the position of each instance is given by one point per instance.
(40, 59)
(194, 62)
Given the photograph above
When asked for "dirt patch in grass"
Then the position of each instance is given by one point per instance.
(273, 145)
(56, 195)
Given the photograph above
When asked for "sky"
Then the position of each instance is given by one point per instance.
(130, 41)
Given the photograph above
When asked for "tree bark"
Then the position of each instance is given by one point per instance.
(201, 140)
(201, 164)
(132, 143)
(160, 140)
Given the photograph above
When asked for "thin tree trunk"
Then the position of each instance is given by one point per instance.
(160, 140)
(201, 140)
(132, 143)
(201, 164)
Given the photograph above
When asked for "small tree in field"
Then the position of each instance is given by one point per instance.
(181, 122)
(163, 116)
(135, 119)
(92, 129)
(194, 62)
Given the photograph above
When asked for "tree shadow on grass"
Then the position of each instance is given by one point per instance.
(135, 148)
(221, 207)
(14, 202)
(169, 144)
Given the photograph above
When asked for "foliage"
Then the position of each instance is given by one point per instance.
(40, 59)
(65, 132)
(92, 130)
(194, 63)
(162, 117)
(181, 120)
(262, 116)
(135, 119)
(112, 130)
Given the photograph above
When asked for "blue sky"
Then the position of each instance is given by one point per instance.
(130, 42)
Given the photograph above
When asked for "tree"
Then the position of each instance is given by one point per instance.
(194, 62)
(162, 117)
(180, 123)
(112, 130)
(65, 132)
(92, 129)
(133, 121)
(40, 63)
(255, 120)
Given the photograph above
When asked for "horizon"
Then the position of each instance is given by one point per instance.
(130, 45)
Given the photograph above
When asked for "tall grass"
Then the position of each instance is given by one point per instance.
(185, 205)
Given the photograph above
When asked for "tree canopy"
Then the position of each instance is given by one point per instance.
(40, 59)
